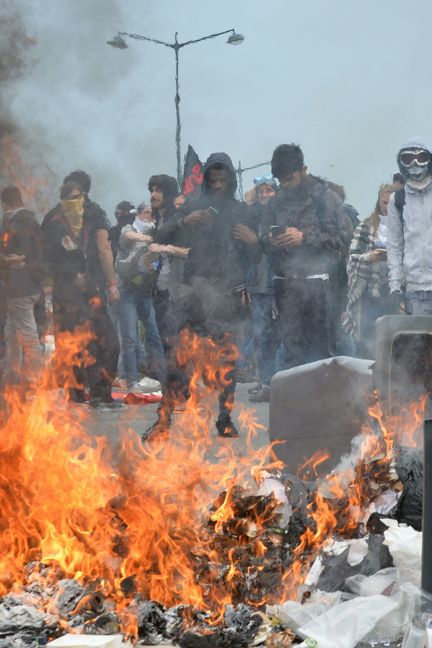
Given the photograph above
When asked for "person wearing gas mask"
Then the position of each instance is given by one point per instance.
(409, 239)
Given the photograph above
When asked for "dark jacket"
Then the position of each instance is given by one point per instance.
(215, 255)
(22, 235)
(67, 255)
(317, 211)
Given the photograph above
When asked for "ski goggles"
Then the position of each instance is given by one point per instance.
(264, 179)
(420, 156)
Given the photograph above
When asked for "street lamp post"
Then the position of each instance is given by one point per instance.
(240, 172)
(119, 42)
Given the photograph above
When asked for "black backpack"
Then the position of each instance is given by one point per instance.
(399, 202)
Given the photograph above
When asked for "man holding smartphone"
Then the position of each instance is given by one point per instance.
(305, 234)
(213, 282)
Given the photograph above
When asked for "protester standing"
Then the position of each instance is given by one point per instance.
(22, 271)
(213, 280)
(80, 263)
(368, 287)
(306, 235)
(409, 245)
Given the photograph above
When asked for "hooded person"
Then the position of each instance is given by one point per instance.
(409, 235)
(213, 278)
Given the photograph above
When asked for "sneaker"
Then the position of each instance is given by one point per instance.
(226, 427)
(149, 385)
(134, 388)
(120, 383)
(262, 396)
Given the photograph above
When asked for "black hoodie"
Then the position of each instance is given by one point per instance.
(215, 255)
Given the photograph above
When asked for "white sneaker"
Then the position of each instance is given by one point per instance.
(149, 385)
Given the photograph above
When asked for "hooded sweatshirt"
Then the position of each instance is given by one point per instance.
(215, 255)
(409, 235)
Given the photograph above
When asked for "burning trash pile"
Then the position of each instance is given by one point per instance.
(170, 543)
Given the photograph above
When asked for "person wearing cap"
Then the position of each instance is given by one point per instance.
(260, 288)
(409, 235)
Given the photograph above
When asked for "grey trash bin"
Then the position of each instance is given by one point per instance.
(403, 369)
(319, 406)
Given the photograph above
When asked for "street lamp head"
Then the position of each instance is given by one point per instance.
(118, 42)
(235, 39)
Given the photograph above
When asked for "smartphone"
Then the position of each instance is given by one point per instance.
(276, 230)
(212, 212)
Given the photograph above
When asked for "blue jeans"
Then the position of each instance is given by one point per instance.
(264, 335)
(419, 302)
(134, 305)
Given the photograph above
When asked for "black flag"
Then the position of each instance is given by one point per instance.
(192, 175)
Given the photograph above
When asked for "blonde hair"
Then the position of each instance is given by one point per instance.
(373, 219)
(250, 196)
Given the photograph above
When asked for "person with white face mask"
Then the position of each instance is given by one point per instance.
(409, 245)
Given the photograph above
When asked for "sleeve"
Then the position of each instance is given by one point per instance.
(395, 247)
(168, 231)
(358, 268)
(335, 231)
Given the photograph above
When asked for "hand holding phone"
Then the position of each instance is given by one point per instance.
(276, 230)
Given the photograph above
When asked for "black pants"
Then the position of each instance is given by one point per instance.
(195, 316)
(306, 322)
(103, 348)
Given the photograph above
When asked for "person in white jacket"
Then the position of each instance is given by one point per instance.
(409, 236)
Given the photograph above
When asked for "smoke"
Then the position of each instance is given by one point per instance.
(20, 159)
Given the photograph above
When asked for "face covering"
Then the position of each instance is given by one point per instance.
(414, 164)
(73, 211)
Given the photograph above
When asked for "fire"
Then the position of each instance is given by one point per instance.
(344, 495)
(175, 521)
(128, 518)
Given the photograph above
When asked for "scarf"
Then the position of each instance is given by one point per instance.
(73, 211)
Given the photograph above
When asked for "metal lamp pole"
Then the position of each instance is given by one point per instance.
(119, 42)
(241, 170)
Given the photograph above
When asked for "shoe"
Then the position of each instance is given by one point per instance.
(226, 427)
(106, 407)
(120, 383)
(255, 390)
(149, 385)
(245, 376)
(134, 388)
(262, 396)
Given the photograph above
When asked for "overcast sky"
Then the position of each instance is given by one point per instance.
(349, 81)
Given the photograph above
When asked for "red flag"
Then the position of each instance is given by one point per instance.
(192, 175)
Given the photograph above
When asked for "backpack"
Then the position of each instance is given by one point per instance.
(399, 202)
(139, 269)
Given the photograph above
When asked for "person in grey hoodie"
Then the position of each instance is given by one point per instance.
(409, 245)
